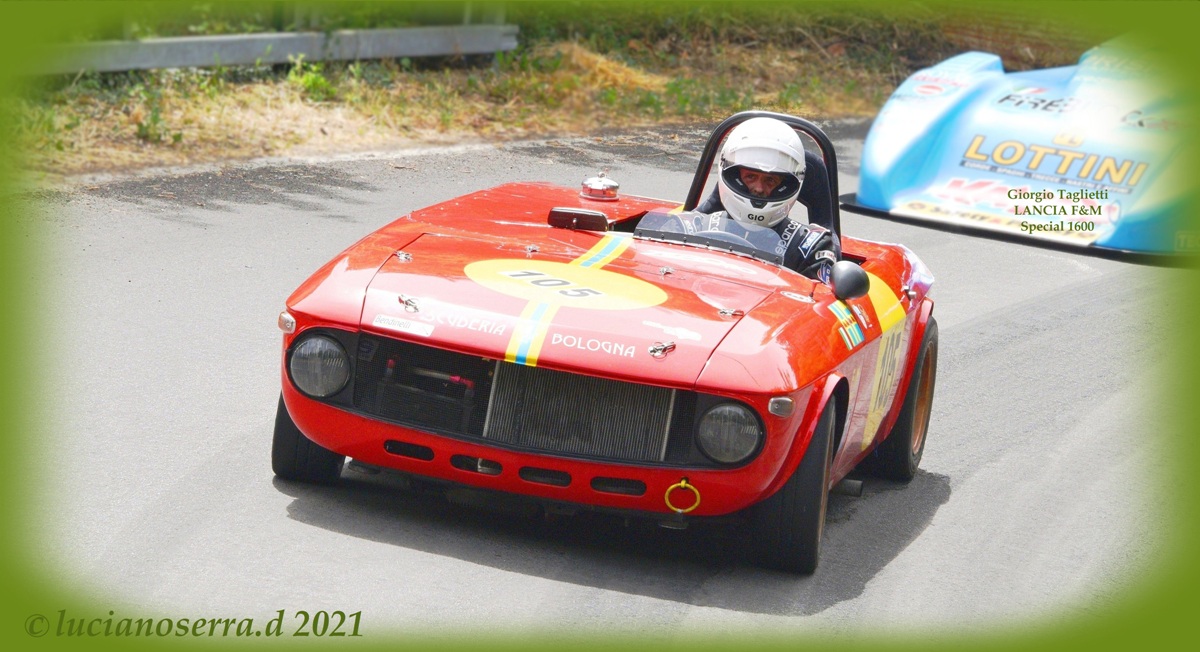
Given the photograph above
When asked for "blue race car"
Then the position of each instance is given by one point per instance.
(1082, 155)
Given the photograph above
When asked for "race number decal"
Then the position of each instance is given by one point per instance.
(890, 359)
(887, 371)
(562, 284)
(548, 285)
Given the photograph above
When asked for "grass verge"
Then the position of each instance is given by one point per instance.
(580, 67)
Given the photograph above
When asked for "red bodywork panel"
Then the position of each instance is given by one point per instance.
(485, 275)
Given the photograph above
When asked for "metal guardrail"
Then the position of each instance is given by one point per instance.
(274, 48)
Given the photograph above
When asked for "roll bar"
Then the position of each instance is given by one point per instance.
(809, 129)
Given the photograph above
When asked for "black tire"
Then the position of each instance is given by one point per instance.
(296, 457)
(898, 457)
(787, 527)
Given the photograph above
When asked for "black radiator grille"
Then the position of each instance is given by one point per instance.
(529, 408)
(555, 411)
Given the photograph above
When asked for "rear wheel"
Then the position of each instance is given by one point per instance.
(787, 527)
(899, 455)
(296, 457)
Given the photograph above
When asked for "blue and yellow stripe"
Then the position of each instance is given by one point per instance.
(526, 342)
(530, 334)
(606, 250)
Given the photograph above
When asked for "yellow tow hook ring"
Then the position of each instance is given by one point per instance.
(681, 485)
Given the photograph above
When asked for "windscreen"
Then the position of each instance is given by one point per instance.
(716, 231)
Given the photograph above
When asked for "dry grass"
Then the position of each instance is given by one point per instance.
(171, 119)
(636, 73)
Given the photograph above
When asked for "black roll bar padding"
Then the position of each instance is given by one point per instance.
(800, 124)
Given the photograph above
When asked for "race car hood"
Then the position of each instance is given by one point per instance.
(569, 300)
(1081, 155)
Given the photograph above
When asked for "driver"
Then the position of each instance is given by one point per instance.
(761, 171)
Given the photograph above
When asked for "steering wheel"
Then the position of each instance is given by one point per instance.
(726, 237)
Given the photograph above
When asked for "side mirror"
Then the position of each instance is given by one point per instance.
(849, 281)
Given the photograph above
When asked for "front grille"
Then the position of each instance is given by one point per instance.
(555, 411)
(425, 387)
(526, 408)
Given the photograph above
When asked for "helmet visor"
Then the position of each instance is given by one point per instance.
(736, 177)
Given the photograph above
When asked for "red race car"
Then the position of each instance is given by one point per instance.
(565, 346)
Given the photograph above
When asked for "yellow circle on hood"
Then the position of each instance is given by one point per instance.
(561, 284)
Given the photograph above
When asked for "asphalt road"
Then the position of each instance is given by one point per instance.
(1039, 494)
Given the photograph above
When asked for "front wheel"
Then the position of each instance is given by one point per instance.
(899, 455)
(296, 457)
(787, 527)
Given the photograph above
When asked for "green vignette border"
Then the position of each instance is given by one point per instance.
(1158, 610)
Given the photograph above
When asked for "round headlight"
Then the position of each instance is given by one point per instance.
(320, 366)
(729, 433)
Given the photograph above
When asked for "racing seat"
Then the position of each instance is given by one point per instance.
(814, 192)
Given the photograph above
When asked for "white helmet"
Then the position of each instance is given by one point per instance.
(766, 145)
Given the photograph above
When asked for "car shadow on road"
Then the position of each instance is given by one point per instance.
(673, 148)
(303, 188)
(705, 565)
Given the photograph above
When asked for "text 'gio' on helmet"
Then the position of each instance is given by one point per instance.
(763, 145)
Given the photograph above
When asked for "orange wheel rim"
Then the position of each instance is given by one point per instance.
(924, 401)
